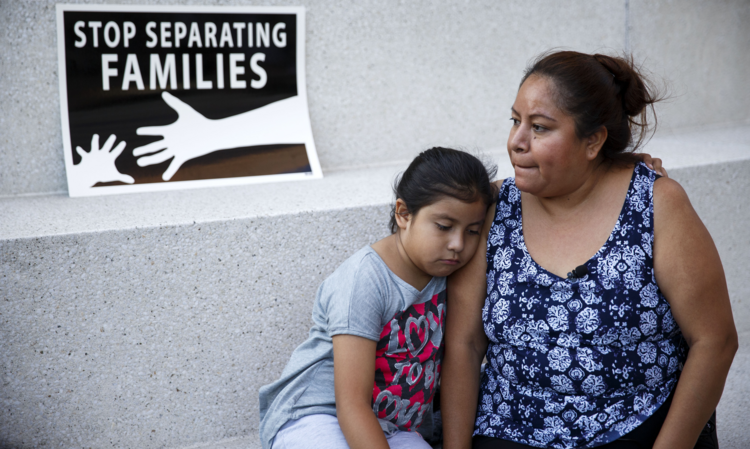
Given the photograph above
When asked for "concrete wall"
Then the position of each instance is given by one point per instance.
(151, 320)
(700, 49)
(387, 78)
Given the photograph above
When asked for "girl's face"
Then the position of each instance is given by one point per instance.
(548, 157)
(443, 236)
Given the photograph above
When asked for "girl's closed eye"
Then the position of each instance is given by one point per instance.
(442, 227)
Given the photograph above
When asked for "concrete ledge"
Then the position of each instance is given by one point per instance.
(47, 215)
(152, 320)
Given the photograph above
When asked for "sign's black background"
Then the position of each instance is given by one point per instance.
(92, 110)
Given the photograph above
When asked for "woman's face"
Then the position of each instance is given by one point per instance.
(548, 157)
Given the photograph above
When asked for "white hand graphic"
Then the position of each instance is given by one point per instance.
(98, 165)
(193, 135)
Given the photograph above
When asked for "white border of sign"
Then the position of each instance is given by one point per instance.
(312, 155)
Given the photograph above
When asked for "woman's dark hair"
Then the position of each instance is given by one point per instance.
(440, 172)
(600, 90)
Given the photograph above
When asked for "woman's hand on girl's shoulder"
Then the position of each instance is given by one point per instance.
(654, 163)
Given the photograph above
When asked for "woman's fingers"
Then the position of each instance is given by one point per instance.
(656, 165)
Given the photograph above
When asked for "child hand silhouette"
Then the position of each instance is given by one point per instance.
(98, 164)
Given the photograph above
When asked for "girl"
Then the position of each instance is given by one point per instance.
(381, 316)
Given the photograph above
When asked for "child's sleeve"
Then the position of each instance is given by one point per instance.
(357, 301)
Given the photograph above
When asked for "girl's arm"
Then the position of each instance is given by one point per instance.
(465, 346)
(688, 271)
(354, 377)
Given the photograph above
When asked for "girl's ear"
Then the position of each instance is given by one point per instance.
(402, 214)
(595, 142)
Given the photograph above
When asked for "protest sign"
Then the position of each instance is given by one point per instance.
(170, 97)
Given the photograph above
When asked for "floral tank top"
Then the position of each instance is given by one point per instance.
(581, 361)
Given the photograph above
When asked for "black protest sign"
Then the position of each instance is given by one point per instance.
(159, 98)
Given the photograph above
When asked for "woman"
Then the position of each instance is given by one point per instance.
(599, 301)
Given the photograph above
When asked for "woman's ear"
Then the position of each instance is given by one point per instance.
(402, 214)
(595, 142)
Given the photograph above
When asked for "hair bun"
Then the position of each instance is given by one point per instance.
(632, 90)
(600, 90)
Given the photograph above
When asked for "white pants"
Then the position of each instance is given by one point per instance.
(323, 431)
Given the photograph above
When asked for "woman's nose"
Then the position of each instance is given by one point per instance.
(518, 140)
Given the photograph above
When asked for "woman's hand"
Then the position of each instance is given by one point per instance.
(689, 273)
(353, 378)
(654, 163)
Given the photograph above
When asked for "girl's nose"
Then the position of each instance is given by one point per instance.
(456, 243)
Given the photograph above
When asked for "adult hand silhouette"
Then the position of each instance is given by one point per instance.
(98, 164)
(193, 135)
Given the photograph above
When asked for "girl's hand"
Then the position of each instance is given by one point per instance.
(654, 163)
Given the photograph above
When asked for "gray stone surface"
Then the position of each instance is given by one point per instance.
(700, 49)
(684, 148)
(384, 79)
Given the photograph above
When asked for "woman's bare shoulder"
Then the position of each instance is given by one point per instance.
(670, 198)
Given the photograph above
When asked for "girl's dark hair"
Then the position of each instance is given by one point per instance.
(600, 90)
(440, 172)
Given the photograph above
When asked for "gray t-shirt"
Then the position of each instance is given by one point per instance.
(363, 297)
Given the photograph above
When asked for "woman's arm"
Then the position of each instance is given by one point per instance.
(465, 346)
(354, 377)
(689, 273)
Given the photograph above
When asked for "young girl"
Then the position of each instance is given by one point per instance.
(380, 316)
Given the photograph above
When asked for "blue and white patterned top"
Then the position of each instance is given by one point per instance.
(576, 362)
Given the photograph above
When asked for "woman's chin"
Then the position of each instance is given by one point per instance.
(526, 183)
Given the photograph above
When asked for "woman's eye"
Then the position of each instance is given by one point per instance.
(538, 128)
(472, 232)
(441, 227)
(515, 121)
